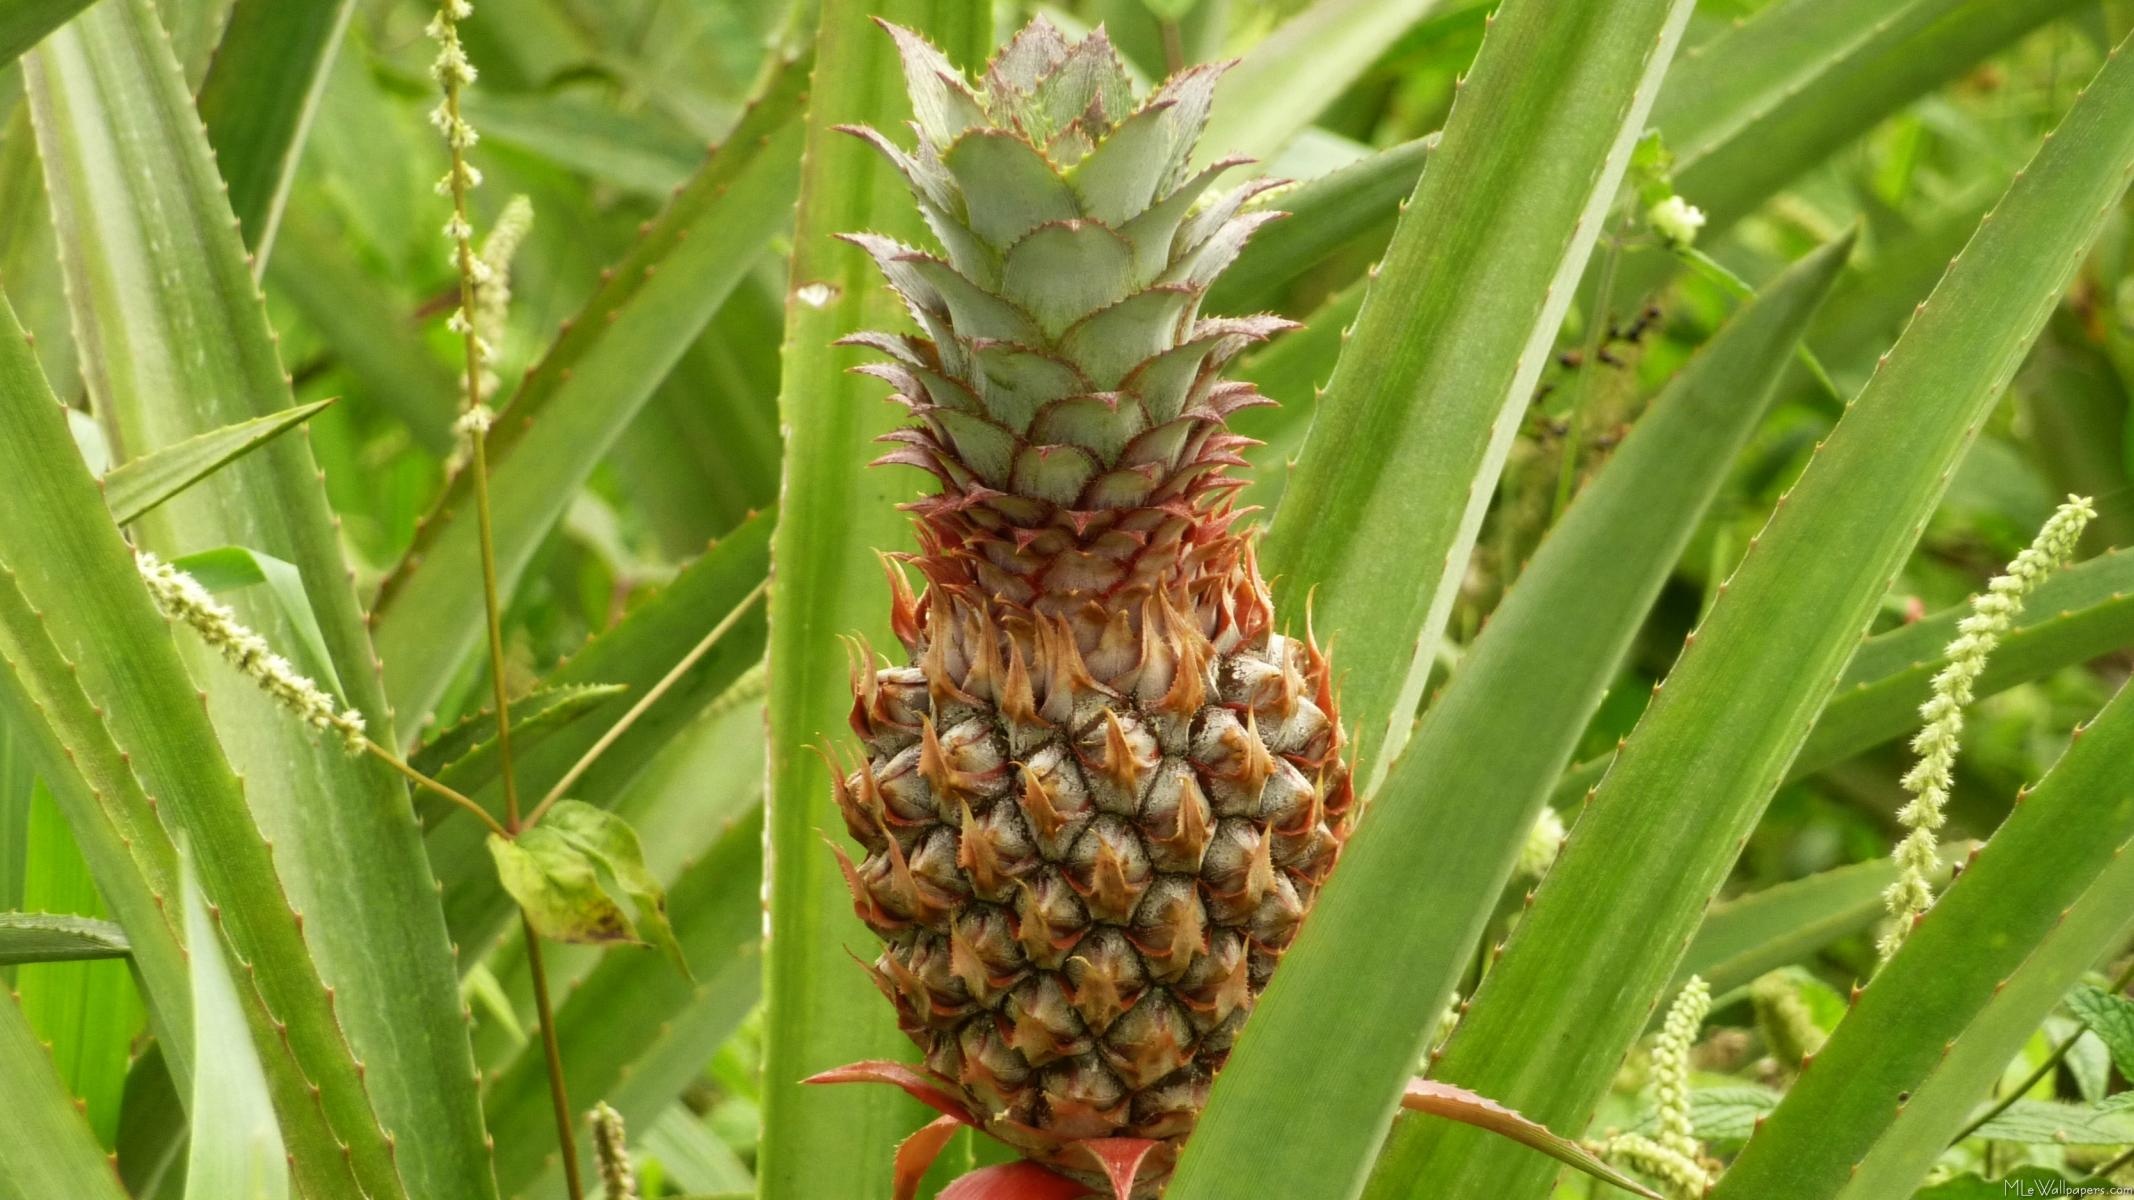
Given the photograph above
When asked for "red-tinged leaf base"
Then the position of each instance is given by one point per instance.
(1118, 1160)
(1014, 1181)
(917, 1153)
(1468, 1108)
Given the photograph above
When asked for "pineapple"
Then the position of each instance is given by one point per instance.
(1100, 797)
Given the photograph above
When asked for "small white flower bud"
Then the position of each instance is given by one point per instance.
(1676, 221)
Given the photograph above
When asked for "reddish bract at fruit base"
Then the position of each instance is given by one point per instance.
(1119, 1159)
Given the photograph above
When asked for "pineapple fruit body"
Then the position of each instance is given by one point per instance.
(1099, 799)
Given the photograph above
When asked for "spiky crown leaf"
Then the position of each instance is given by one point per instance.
(1068, 389)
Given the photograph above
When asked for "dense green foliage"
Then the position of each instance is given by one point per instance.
(1671, 376)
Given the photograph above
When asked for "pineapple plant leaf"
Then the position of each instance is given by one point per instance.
(2080, 613)
(126, 752)
(1772, 96)
(1300, 69)
(140, 484)
(1500, 731)
(135, 197)
(239, 1154)
(1420, 413)
(258, 100)
(27, 937)
(835, 517)
(49, 1150)
(28, 23)
(1932, 1031)
(1716, 740)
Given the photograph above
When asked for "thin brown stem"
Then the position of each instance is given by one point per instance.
(644, 703)
(455, 76)
(2105, 1171)
(431, 785)
(566, 1136)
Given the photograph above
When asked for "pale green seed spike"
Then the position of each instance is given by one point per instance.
(1062, 272)
(1008, 187)
(941, 103)
(1929, 780)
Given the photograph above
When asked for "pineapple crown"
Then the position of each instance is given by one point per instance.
(1067, 390)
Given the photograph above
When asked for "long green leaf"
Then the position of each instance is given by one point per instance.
(36, 937)
(2082, 612)
(258, 99)
(1449, 822)
(574, 405)
(837, 513)
(2048, 896)
(90, 671)
(1291, 76)
(1754, 107)
(48, 1150)
(26, 22)
(133, 488)
(1324, 214)
(88, 1013)
(1576, 980)
(1415, 425)
(237, 1151)
(174, 342)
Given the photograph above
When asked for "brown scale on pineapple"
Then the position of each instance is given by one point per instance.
(1102, 793)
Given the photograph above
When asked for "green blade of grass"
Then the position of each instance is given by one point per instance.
(91, 675)
(826, 583)
(37, 937)
(48, 1150)
(1285, 81)
(1743, 938)
(87, 1012)
(1574, 985)
(26, 23)
(2083, 612)
(1324, 214)
(1754, 107)
(1415, 425)
(1458, 804)
(133, 488)
(2047, 897)
(575, 403)
(258, 99)
(173, 342)
(236, 1150)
